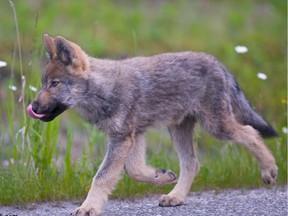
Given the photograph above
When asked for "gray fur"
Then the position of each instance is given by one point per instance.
(125, 97)
(163, 90)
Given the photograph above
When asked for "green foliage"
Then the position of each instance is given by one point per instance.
(40, 161)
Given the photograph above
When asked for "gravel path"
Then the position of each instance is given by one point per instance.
(227, 203)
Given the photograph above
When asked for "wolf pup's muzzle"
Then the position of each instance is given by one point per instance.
(34, 115)
(46, 117)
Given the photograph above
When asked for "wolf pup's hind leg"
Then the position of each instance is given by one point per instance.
(136, 168)
(249, 138)
(189, 165)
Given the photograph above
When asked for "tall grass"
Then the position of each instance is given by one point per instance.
(57, 160)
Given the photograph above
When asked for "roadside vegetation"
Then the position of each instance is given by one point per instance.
(57, 160)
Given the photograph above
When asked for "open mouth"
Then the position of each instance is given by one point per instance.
(43, 116)
(33, 114)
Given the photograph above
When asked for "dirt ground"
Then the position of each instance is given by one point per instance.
(272, 202)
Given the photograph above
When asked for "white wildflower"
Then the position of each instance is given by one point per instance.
(3, 64)
(12, 87)
(262, 76)
(241, 49)
(32, 88)
(285, 130)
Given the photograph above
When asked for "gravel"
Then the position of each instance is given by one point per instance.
(228, 202)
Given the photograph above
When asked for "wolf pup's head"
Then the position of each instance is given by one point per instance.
(64, 79)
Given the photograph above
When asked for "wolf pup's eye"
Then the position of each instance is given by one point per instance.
(54, 83)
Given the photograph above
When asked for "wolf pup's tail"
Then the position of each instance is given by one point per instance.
(245, 114)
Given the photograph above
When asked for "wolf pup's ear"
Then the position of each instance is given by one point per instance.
(64, 50)
(69, 53)
(49, 46)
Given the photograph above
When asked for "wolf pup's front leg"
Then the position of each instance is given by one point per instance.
(106, 177)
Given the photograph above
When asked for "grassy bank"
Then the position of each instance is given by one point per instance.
(57, 160)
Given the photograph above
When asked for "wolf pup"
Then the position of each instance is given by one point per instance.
(125, 97)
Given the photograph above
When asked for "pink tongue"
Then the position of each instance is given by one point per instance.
(33, 114)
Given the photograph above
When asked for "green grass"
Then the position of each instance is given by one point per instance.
(57, 160)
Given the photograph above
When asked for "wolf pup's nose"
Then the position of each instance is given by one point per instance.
(31, 112)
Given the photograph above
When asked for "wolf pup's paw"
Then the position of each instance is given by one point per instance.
(164, 176)
(170, 201)
(86, 210)
(269, 176)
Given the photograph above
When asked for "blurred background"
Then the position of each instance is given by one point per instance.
(40, 161)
